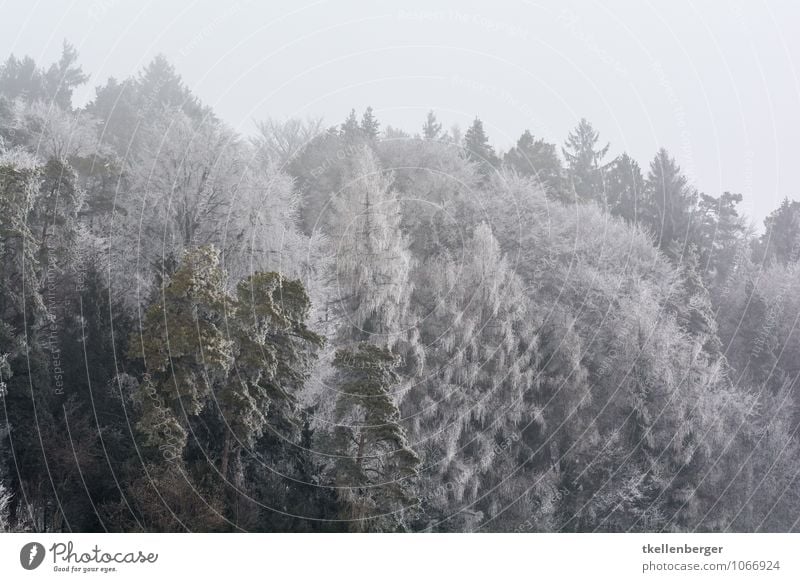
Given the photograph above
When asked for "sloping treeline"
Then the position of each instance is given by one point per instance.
(352, 328)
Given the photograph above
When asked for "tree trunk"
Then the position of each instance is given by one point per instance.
(226, 454)
(360, 452)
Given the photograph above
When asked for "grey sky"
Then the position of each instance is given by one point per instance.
(716, 83)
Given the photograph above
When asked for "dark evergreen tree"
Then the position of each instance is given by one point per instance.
(64, 76)
(538, 159)
(350, 130)
(478, 150)
(671, 201)
(585, 166)
(370, 125)
(781, 238)
(718, 234)
(376, 466)
(624, 186)
(431, 129)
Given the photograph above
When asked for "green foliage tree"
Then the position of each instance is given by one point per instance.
(273, 352)
(376, 466)
(184, 348)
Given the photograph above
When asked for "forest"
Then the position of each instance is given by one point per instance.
(359, 328)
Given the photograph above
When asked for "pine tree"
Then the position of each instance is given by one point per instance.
(273, 351)
(376, 464)
(184, 348)
(585, 164)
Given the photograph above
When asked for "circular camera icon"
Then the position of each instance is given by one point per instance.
(31, 555)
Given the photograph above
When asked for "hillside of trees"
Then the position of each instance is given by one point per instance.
(352, 327)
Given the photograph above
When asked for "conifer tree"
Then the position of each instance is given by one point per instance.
(477, 148)
(431, 129)
(350, 130)
(719, 234)
(373, 264)
(671, 201)
(184, 348)
(625, 189)
(376, 466)
(273, 351)
(585, 164)
(781, 238)
(370, 125)
(537, 159)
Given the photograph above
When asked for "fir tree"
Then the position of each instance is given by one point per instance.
(477, 148)
(585, 164)
(537, 159)
(781, 238)
(625, 189)
(671, 202)
(350, 129)
(370, 125)
(431, 129)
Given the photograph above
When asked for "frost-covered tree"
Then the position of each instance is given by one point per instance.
(5, 500)
(372, 261)
(283, 141)
(479, 354)
(438, 187)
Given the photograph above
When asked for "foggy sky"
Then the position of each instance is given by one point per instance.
(716, 83)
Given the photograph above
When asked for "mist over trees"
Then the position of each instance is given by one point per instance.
(349, 327)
